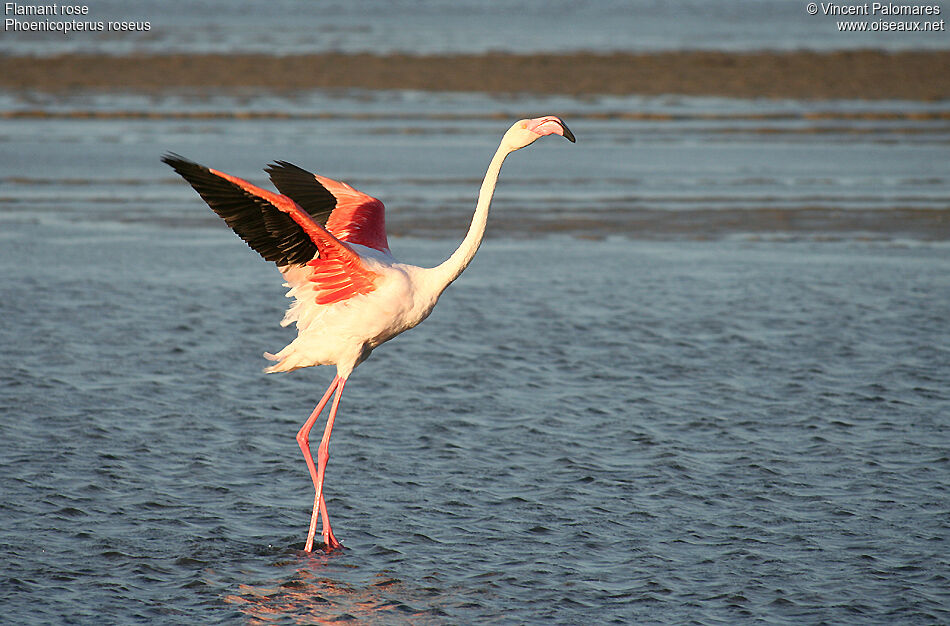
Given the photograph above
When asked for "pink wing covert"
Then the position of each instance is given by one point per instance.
(338, 273)
(358, 218)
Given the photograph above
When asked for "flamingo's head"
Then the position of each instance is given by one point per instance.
(526, 132)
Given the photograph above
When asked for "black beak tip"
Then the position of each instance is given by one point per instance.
(568, 134)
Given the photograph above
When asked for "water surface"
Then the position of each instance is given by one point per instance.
(643, 166)
(614, 430)
(696, 373)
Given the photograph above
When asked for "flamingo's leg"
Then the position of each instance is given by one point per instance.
(303, 440)
(323, 455)
(328, 538)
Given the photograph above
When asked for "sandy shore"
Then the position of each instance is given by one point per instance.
(864, 74)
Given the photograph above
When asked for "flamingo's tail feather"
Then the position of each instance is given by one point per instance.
(284, 362)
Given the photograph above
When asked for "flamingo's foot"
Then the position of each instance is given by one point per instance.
(329, 541)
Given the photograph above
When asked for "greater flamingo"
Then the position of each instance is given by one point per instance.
(350, 293)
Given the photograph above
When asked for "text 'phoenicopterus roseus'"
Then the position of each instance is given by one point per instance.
(350, 293)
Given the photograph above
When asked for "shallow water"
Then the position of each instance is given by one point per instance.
(642, 166)
(614, 430)
(722, 397)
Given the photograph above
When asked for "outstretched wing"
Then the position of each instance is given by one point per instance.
(252, 215)
(352, 216)
(279, 230)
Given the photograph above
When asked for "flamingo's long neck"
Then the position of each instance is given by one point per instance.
(452, 267)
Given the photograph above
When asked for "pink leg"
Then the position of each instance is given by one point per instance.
(328, 537)
(323, 455)
(303, 440)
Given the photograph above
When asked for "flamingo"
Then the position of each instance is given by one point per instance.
(350, 294)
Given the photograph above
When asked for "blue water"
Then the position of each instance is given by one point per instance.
(463, 26)
(655, 167)
(611, 431)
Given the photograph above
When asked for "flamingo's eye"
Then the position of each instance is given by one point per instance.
(524, 124)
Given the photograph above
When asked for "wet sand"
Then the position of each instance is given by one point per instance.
(861, 74)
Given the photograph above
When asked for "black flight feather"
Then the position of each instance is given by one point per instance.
(266, 229)
(299, 184)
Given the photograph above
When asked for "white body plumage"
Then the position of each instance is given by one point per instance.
(344, 333)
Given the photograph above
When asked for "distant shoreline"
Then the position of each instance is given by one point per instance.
(856, 74)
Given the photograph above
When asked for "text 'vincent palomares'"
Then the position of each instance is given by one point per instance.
(878, 8)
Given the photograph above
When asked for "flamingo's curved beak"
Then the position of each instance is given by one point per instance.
(567, 132)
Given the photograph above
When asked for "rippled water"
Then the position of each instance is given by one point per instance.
(643, 166)
(614, 430)
(720, 395)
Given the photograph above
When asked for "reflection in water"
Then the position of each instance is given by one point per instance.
(310, 596)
